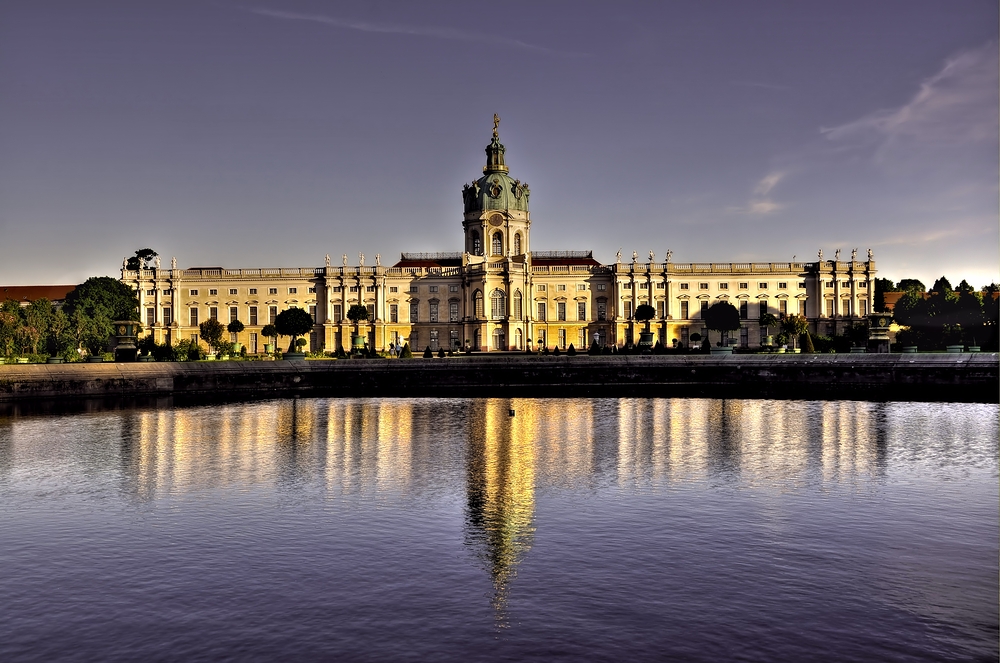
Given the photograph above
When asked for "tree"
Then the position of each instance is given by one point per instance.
(722, 317)
(906, 285)
(428, 354)
(293, 322)
(942, 285)
(795, 326)
(357, 313)
(140, 259)
(767, 320)
(406, 353)
(235, 327)
(11, 320)
(94, 305)
(644, 313)
(806, 341)
(268, 331)
(211, 332)
(882, 286)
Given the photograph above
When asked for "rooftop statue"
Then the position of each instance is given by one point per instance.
(173, 263)
(854, 255)
(820, 254)
(496, 125)
(327, 259)
(345, 260)
(669, 254)
(651, 257)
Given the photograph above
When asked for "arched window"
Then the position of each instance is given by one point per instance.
(517, 339)
(497, 245)
(477, 298)
(517, 312)
(477, 244)
(498, 303)
(517, 244)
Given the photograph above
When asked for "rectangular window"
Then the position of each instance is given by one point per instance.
(761, 308)
(829, 308)
(661, 309)
(272, 314)
(234, 313)
(783, 307)
(562, 338)
(703, 286)
(312, 290)
(829, 284)
(434, 339)
(626, 286)
(150, 316)
(802, 307)
(744, 285)
(252, 345)
(782, 285)
(167, 316)
(843, 284)
(253, 316)
(744, 309)
(393, 313)
(581, 310)
(704, 307)
(434, 311)
(233, 291)
(193, 293)
(354, 288)
(684, 309)
(194, 338)
(414, 314)
(863, 284)
(414, 288)
(541, 311)
(414, 340)
(338, 312)
(762, 286)
(744, 337)
(370, 288)
(581, 286)
(453, 311)
(582, 338)
(846, 308)
(432, 288)
(628, 310)
(560, 310)
(661, 286)
(643, 286)
(802, 285)
(272, 291)
(602, 310)
(393, 289)
(213, 312)
(602, 286)
(541, 288)
(684, 286)
(723, 286)
(312, 312)
(292, 291)
(166, 291)
(863, 307)
(561, 288)
(253, 291)
(212, 292)
(453, 288)
(371, 311)
(150, 293)
(193, 317)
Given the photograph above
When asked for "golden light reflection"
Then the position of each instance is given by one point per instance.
(501, 489)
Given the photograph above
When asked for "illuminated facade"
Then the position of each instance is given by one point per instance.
(500, 294)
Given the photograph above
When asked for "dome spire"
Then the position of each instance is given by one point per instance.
(495, 150)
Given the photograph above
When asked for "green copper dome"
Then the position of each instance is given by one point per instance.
(495, 189)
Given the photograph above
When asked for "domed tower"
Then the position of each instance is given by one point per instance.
(496, 209)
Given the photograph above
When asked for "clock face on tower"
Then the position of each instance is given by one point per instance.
(496, 220)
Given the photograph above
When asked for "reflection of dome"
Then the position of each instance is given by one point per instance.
(501, 482)
(496, 189)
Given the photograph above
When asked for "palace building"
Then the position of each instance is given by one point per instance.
(499, 294)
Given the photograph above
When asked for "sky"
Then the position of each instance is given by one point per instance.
(258, 133)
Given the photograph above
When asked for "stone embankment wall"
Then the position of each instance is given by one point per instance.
(928, 377)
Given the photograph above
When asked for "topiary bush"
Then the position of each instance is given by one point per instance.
(406, 353)
(571, 351)
(427, 353)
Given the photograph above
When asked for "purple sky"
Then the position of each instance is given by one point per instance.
(271, 133)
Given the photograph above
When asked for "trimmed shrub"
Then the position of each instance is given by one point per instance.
(405, 353)
(427, 353)
(571, 351)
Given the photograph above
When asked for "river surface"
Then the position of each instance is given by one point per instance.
(447, 530)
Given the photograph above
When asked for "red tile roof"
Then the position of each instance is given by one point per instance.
(29, 293)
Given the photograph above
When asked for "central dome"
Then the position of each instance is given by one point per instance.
(495, 189)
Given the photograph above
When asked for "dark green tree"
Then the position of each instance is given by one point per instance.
(794, 326)
(644, 313)
(883, 286)
(94, 305)
(211, 332)
(942, 285)
(235, 327)
(140, 259)
(293, 322)
(723, 317)
(766, 321)
(905, 285)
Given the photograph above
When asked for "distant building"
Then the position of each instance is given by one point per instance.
(497, 293)
(25, 294)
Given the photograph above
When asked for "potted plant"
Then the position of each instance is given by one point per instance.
(268, 331)
(235, 327)
(294, 322)
(794, 326)
(722, 317)
(356, 314)
(211, 332)
(766, 321)
(644, 313)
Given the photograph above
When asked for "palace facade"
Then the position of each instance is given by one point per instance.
(498, 294)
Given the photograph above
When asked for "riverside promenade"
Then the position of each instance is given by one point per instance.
(879, 377)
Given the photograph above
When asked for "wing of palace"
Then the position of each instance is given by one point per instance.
(498, 294)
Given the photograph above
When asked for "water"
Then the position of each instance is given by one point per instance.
(443, 529)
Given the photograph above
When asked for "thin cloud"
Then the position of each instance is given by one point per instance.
(956, 106)
(397, 29)
(764, 207)
(765, 185)
(765, 86)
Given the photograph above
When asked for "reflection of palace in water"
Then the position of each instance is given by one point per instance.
(472, 449)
